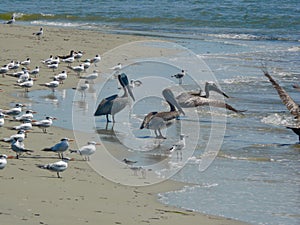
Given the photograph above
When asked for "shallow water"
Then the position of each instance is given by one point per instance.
(255, 177)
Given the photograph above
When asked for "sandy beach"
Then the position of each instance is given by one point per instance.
(30, 195)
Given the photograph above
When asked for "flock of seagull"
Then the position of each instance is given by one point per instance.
(25, 78)
(108, 106)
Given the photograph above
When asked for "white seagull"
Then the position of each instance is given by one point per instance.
(179, 146)
(83, 88)
(77, 69)
(52, 85)
(39, 33)
(3, 70)
(91, 76)
(18, 147)
(96, 59)
(15, 111)
(23, 126)
(60, 147)
(26, 84)
(179, 76)
(25, 62)
(19, 135)
(49, 60)
(2, 119)
(26, 117)
(57, 167)
(35, 71)
(87, 150)
(3, 161)
(61, 77)
(44, 124)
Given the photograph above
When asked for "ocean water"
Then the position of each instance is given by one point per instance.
(256, 175)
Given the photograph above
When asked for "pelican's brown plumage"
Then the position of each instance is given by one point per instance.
(159, 120)
(291, 105)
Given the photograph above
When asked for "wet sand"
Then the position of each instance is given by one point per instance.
(30, 195)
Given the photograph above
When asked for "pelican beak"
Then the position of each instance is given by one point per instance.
(216, 89)
(130, 92)
(169, 96)
(70, 140)
(98, 144)
(54, 118)
(33, 112)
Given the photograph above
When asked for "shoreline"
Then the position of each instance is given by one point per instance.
(82, 195)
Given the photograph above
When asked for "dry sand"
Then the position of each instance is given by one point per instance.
(30, 195)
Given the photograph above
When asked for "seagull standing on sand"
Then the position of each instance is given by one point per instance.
(3, 161)
(87, 150)
(26, 117)
(20, 135)
(25, 62)
(15, 111)
(44, 124)
(77, 69)
(61, 77)
(57, 167)
(39, 33)
(2, 119)
(26, 84)
(52, 85)
(179, 146)
(23, 126)
(3, 70)
(18, 147)
(60, 147)
(96, 59)
(35, 71)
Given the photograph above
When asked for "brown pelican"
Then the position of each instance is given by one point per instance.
(291, 105)
(114, 104)
(195, 99)
(158, 120)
